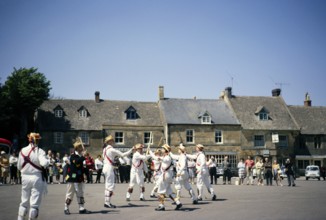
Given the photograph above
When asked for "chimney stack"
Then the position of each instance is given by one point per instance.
(97, 97)
(307, 101)
(276, 92)
(228, 92)
(161, 92)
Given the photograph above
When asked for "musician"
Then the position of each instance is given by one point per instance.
(138, 167)
(109, 153)
(165, 179)
(31, 162)
(202, 172)
(75, 179)
(182, 177)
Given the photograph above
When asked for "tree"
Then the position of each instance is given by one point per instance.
(23, 92)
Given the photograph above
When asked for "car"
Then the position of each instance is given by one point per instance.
(312, 171)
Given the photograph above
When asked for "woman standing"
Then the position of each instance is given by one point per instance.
(241, 171)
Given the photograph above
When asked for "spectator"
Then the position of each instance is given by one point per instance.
(259, 171)
(50, 167)
(226, 170)
(4, 164)
(268, 172)
(276, 167)
(289, 172)
(249, 170)
(98, 168)
(323, 172)
(241, 171)
(212, 170)
(13, 159)
(90, 166)
(65, 163)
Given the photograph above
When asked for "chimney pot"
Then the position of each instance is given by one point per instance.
(276, 92)
(228, 92)
(161, 92)
(97, 97)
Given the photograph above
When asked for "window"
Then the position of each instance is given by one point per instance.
(148, 138)
(317, 141)
(283, 141)
(118, 137)
(85, 137)
(259, 141)
(83, 113)
(302, 164)
(206, 119)
(58, 113)
(220, 158)
(218, 137)
(58, 137)
(131, 113)
(190, 136)
(263, 116)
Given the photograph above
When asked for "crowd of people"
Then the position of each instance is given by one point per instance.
(169, 172)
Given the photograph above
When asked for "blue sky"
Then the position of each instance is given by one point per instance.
(127, 49)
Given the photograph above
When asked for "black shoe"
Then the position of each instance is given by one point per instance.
(178, 206)
(200, 199)
(152, 196)
(109, 206)
(141, 199)
(84, 211)
(214, 198)
(293, 185)
(195, 202)
(160, 208)
(67, 212)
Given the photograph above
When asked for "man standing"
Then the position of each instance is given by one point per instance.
(109, 153)
(75, 179)
(137, 172)
(31, 162)
(226, 170)
(289, 172)
(202, 172)
(212, 170)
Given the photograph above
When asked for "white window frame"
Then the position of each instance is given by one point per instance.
(148, 137)
(263, 116)
(119, 137)
(206, 119)
(83, 113)
(58, 113)
(218, 137)
(85, 137)
(58, 137)
(190, 134)
(259, 143)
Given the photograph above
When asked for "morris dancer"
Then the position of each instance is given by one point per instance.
(202, 172)
(138, 167)
(32, 162)
(156, 167)
(182, 177)
(109, 153)
(165, 179)
(75, 179)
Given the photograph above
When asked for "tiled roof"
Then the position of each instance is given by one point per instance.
(188, 111)
(106, 112)
(246, 108)
(312, 120)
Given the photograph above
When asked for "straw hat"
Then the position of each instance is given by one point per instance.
(166, 147)
(139, 146)
(108, 138)
(200, 146)
(157, 151)
(182, 148)
(77, 144)
(33, 136)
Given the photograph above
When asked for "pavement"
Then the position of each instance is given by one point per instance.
(304, 201)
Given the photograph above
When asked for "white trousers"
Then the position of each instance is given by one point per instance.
(203, 180)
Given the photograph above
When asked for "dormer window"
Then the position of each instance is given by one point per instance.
(58, 111)
(205, 118)
(131, 113)
(83, 113)
(262, 113)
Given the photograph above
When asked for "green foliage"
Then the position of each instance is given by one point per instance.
(23, 92)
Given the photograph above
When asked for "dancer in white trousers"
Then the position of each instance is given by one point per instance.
(156, 168)
(31, 163)
(109, 153)
(202, 172)
(138, 167)
(166, 178)
(182, 177)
